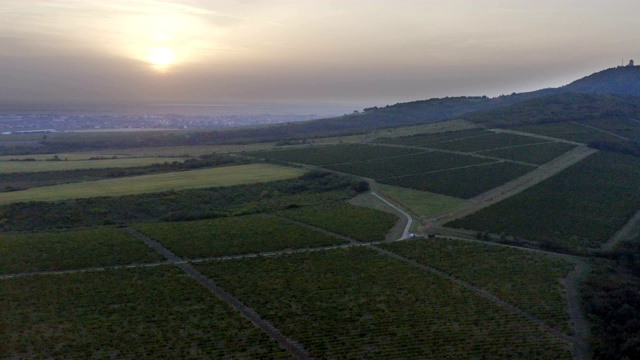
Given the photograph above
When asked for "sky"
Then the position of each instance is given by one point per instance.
(361, 52)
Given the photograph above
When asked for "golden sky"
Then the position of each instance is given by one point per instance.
(302, 50)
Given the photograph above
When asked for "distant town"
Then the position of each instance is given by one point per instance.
(39, 122)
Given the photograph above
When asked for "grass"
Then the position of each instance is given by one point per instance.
(36, 166)
(204, 178)
(358, 304)
(235, 235)
(150, 313)
(65, 250)
(421, 203)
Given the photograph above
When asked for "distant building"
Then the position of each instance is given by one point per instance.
(631, 63)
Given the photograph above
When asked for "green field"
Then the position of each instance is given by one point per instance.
(528, 280)
(357, 304)
(427, 140)
(488, 142)
(567, 131)
(63, 156)
(36, 166)
(221, 176)
(578, 209)
(533, 153)
(405, 165)
(233, 236)
(359, 223)
(336, 154)
(421, 203)
(462, 183)
(76, 249)
(153, 313)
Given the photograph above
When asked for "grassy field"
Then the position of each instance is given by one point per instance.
(222, 176)
(358, 304)
(526, 279)
(152, 313)
(421, 203)
(235, 235)
(36, 166)
(65, 250)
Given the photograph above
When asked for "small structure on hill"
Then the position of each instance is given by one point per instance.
(631, 63)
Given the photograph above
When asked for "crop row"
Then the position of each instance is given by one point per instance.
(151, 313)
(533, 154)
(528, 280)
(234, 235)
(567, 131)
(489, 142)
(336, 154)
(580, 208)
(357, 222)
(356, 303)
(64, 250)
(464, 182)
(407, 165)
(432, 139)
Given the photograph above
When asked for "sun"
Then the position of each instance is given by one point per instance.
(161, 57)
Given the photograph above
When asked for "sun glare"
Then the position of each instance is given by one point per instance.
(161, 57)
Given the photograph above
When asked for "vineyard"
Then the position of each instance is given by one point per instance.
(533, 153)
(433, 139)
(64, 250)
(464, 182)
(355, 303)
(326, 155)
(234, 235)
(528, 280)
(148, 313)
(487, 142)
(359, 223)
(580, 208)
(407, 165)
(567, 131)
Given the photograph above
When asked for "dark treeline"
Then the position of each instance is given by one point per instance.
(26, 180)
(611, 297)
(179, 205)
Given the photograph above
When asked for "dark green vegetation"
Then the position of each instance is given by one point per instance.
(576, 210)
(22, 181)
(568, 131)
(406, 165)
(65, 250)
(465, 182)
(235, 235)
(611, 295)
(533, 153)
(433, 139)
(488, 142)
(356, 303)
(355, 222)
(129, 314)
(327, 155)
(177, 205)
(528, 280)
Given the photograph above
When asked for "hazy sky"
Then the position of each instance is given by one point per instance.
(352, 51)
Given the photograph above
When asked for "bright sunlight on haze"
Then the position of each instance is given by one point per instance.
(285, 50)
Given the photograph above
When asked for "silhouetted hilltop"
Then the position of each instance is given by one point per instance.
(622, 80)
